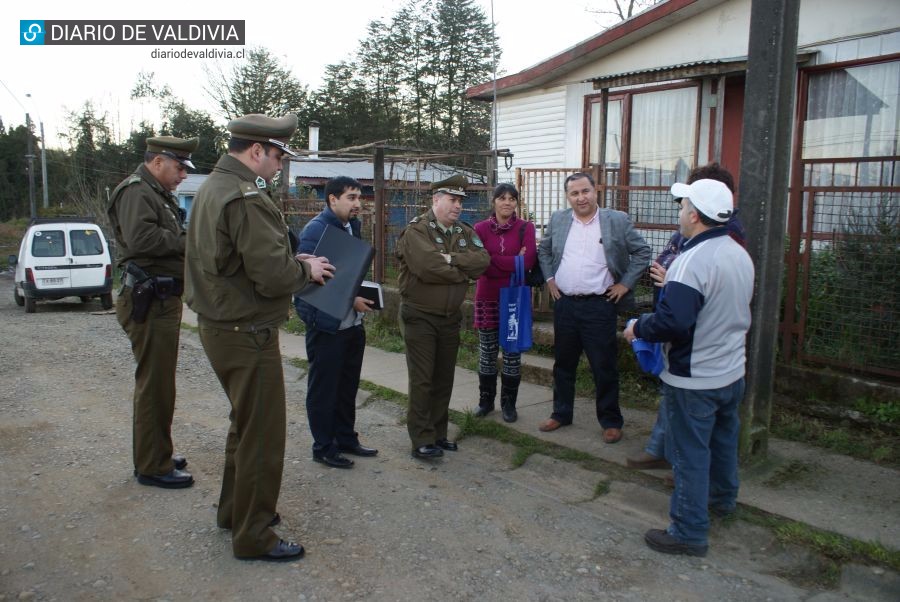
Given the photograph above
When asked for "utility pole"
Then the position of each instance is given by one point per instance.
(765, 163)
(44, 165)
(46, 193)
(30, 157)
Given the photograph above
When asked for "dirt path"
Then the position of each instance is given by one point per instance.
(74, 524)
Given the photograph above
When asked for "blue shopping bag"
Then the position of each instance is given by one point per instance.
(650, 355)
(515, 312)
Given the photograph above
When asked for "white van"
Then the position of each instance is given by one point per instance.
(62, 257)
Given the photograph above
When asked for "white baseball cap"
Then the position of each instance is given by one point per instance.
(712, 198)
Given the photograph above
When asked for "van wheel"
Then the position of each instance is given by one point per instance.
(106, 300)
(85, 299)
(30, 305)
(20, 300)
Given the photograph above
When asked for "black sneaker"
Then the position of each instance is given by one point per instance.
(661, 541)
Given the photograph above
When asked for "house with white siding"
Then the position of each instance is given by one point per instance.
(670, 84)
(641, 103)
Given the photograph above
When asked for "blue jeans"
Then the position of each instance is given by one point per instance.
(701, 444)
(656, 444)
(585, 324)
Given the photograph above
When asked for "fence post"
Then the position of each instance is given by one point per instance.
(378, 221)
(765, 164)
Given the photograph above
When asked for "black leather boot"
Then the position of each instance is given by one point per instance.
(487, 391)
(509, 391)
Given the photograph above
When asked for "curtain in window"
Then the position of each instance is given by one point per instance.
(853, 112)
(663, 136)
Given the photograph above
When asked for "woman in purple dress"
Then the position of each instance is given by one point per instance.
(504, 236)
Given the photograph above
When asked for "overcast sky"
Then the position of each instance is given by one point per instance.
(307, 35)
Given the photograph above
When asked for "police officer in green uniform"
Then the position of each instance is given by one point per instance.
(149, 231)
(239, 277)
(438, 255)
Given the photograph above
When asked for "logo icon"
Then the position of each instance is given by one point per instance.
(32, 33)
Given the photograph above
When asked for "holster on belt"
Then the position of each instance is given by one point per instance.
(143, 291)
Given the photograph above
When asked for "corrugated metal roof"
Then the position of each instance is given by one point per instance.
(323, 169)
(680, 71)
(362, 170)
(675, 71)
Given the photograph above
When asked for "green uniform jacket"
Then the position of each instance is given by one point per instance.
(240, 272)
(147, 225)
(427, 282)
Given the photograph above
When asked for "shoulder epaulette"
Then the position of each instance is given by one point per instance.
(249, 189)
(134, 179)
(414, 220)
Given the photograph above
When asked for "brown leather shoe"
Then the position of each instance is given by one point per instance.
(645, 461)
(551, 424)
(669, 480)
(612, 435)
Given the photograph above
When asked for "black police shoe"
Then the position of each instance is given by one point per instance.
(427, 452)
(179, 461)
(174, 479)
(335, 461)
(359, 450)
(446, 445)
(283, 551)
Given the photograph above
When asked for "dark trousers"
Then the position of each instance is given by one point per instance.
(585, 324)
(249, 367)
(335, 361)
(155, 347)
(431, 345)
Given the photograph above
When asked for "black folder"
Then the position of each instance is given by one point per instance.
(351, 258)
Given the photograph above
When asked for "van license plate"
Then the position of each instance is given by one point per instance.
(48, 281)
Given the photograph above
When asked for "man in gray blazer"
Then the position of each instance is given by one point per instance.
(592, 259)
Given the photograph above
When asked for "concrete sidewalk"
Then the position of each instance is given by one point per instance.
(828, 491)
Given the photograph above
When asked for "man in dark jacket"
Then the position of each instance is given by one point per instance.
(334, 347)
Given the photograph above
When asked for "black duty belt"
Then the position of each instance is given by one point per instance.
(130, 281)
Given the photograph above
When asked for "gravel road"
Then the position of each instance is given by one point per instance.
(75, 525)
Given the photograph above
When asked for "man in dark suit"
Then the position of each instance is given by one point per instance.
(592, 258)
(334, 347)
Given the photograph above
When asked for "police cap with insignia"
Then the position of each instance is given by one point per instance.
(174, 148)
(455, 185)
(276, 131)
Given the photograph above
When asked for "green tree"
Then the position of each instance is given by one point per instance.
(13, 172)
(260, 84)
(180, 121)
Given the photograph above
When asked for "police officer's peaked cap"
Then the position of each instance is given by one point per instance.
(455, 185)
(276, 131)
(174, 148)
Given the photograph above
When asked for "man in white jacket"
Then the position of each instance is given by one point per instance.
(703, 319)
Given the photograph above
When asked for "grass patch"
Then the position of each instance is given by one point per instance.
(294, 325)
(525, 445)
(838, 549)
(602, 488)
(189, 327)
(794, 472)
(300, 363)
(882, 412)
(384, 393)
(877, 445)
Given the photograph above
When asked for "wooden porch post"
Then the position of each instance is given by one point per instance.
(378, 225)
